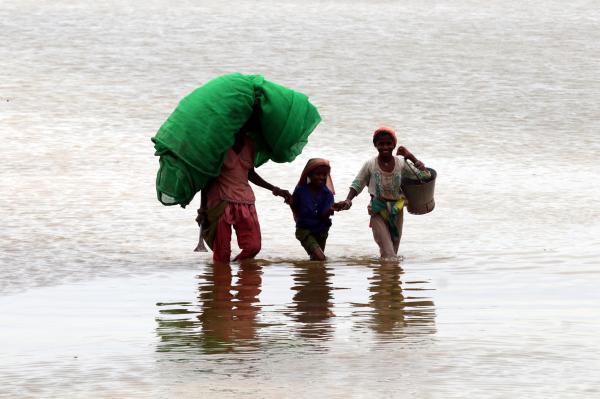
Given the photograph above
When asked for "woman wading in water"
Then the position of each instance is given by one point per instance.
(229, 201)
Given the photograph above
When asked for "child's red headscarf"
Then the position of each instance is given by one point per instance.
(311, 165)
(385, 130)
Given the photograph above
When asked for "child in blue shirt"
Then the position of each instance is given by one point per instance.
(313, 205)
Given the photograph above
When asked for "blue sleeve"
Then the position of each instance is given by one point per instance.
(329, 199)
(326, 201)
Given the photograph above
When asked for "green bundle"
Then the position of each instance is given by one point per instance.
(193, 141)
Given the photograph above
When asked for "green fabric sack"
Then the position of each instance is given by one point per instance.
(286, 119)
(194, 139)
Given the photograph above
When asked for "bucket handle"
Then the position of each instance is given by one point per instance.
(412, 170)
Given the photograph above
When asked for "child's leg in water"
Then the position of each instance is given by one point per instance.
(313, 244)
(388, 246)
(319, 254)
(382, 236)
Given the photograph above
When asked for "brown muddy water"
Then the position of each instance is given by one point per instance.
(496, 294)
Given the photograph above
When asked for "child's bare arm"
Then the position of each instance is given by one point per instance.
(406, 154)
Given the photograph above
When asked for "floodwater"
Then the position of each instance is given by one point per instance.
(496, 294)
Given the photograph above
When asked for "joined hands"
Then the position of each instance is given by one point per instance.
(285, 194)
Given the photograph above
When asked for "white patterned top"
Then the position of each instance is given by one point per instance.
(381, 184)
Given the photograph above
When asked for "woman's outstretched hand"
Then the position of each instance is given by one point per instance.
(285, 194)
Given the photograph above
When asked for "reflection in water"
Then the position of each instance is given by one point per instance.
(227, 317)
(312, 302)
(396, 311)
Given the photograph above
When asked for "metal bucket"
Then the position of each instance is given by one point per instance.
(419, 194)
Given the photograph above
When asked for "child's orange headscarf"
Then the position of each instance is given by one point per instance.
(311, 165)
(385, 130)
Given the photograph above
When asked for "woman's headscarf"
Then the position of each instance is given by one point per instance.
(385, 130)
(311, 165)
